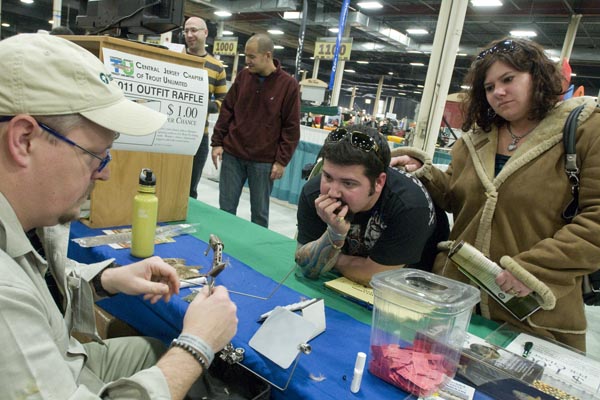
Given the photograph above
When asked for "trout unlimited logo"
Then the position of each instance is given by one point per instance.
(122, 66)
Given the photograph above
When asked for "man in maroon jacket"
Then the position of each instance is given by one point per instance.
(257, 131)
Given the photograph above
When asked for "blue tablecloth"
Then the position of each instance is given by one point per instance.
(256, 256)
(334, 351)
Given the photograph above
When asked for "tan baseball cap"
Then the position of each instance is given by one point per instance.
(48, 75)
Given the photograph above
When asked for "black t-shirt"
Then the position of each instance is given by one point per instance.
(393, 232)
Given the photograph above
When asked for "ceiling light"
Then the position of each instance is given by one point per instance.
(6, 25)
(465, 87)
(462, 54)
(402, 94)
(370, 5)
(222, 13)
(362, 62)
(334, 30)
(523, 33)
(278, 47)
(367, 101)
(573, 74)
(292, 15)
(226, 33)
(486, 3)
(27, 1)
(275, 32)
(390, 73)
(417, 31)
(51, 22)
(350, 70)
(417, 64)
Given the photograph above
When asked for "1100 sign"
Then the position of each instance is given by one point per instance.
(325, 50)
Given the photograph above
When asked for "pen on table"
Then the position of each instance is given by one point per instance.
(527, 348)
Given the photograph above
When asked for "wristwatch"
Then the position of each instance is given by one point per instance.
(97, 282)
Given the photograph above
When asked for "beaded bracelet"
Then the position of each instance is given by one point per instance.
(199, 344)
(194, 352)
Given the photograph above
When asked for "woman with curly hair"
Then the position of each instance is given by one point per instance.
(506, 187)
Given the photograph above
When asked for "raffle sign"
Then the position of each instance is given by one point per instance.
(180, 92)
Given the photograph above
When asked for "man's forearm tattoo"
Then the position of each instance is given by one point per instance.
(317, 257)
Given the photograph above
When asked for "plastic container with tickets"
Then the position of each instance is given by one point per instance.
(419, 326)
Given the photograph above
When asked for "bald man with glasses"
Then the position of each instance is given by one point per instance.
(196, 33)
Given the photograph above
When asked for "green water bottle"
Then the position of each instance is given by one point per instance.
(145, 214)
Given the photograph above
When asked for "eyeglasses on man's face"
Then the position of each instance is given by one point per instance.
(103, 160)
(506, 46)
(193, 30)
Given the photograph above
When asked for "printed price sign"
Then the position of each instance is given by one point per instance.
(325, 46)
(180, 92)
(225, 46)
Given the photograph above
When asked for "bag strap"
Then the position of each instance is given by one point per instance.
(571, 168)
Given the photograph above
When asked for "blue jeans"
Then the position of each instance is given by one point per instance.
(234, 172)
(198, 165)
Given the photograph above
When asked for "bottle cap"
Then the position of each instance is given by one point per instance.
(360, 361)
(147, 177)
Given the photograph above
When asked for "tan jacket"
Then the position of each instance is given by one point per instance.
(40, 359)
(515, 217)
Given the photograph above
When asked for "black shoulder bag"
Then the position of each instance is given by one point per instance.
(591, 283)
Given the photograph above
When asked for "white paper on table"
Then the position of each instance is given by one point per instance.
(452, 390)
(280, 336)
(315, 313)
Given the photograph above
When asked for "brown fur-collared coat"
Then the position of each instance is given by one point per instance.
(515, 218)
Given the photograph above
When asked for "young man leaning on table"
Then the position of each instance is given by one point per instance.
(56, 130)
(359, 216)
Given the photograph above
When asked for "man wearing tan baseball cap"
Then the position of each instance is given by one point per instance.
(60, 112)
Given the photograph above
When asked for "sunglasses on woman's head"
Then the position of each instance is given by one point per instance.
(506, 46)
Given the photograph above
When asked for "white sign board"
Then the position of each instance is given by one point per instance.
(180, 92)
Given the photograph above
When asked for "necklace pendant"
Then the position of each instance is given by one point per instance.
(512, 146)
